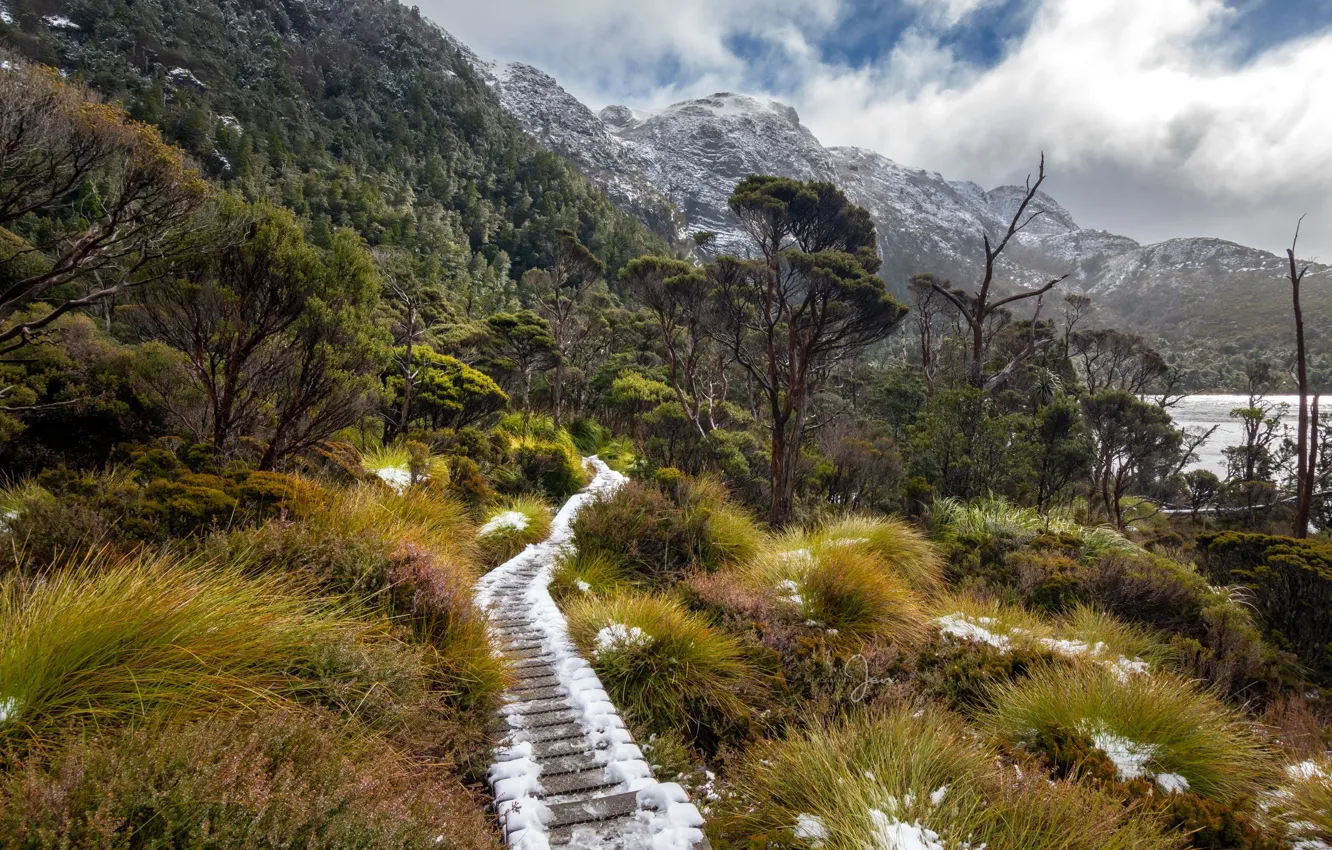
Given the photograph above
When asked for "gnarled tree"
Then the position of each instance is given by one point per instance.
(811, 302)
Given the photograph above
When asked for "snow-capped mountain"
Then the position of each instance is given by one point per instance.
(675, 168)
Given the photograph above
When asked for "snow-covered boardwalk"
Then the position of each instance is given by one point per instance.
(568, 772)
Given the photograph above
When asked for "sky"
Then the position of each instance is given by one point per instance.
(1158, 118)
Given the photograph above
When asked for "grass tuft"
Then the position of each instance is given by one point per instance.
(578, 574)
(886, 779)
(1162, 723)
(902, 548)
(510, 526)
(117, 641)
(667, 668)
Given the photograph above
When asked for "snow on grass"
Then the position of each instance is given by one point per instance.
(8, 707)
(397, 477)
(1172, 783)
(791, 593)
(505, 522)
(666, 820)
(959, 626)
(811, 828)
(888, 833)
(618, 636)
(1130, 758)
(1305, 770)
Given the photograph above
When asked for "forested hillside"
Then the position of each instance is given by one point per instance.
(353, 114)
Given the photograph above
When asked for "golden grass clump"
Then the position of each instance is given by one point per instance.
(1159, 725)
(903, 548)
(904, 778)
(119, 640)
(510, 526)
(667, 668)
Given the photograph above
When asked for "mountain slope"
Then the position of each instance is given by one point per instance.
(356, 113)
(1218, 298)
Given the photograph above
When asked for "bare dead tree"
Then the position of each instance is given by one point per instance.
(1307, 432)
(979, 310)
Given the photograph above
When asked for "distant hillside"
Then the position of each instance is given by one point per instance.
(355, 113)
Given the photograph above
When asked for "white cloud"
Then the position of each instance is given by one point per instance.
(1151, 125)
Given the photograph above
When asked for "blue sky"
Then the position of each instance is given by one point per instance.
(1160, 118)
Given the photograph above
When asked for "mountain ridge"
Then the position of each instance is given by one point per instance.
(693, 152)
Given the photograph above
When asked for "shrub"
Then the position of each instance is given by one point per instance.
(1159, 725)
(901, 547)
(904, 778)
(994, 519)
(554, 468)
(1291, 587)
(116, 641)
(666, 668)
(657, 530)
(285, 778)
(510, 526)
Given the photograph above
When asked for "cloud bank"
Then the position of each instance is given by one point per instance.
(1159, 118)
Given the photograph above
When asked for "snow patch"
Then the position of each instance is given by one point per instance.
(8, 708)
(959, 626)
(6, 18)
(505, 522)
(791, 593)
(59, 22)
(888, 833)
(397, 477)
(1130, 757)
(185, 75)
(811, 828)
(583, 586)
(1172, 783)
(1306, 770)
(617, 637)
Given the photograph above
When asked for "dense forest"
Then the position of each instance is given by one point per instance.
(302, 336)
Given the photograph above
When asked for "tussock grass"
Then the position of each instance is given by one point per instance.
(733, 535)
(902, 548)
(994, 519)
(1175, 726)
(667, 668)
(845, 785)
(845, 590)
(402, 465)
(510, 526)
(1092, 626)
(964, 616)
(410, 554)
(578, 573)
(117, 641)
(1304, 802)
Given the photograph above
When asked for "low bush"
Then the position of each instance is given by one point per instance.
(1159, 726)
(510, 526)
(666, 668)
(904, 778)
(660, 529)
(1290, 584)
(117, 641)
(282, 778)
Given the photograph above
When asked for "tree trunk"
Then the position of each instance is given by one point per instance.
(404, 416)
(557, 394)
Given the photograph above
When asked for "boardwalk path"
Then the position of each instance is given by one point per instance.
(568, 773)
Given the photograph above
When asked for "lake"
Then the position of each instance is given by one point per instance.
(1204, 411)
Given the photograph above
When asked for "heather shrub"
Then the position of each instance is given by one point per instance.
(281, 778)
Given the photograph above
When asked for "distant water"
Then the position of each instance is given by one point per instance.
(1204, 411)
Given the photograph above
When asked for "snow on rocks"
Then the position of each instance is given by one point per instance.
(5, 18)
(531, 806)
(504, 522)
(59, 22)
